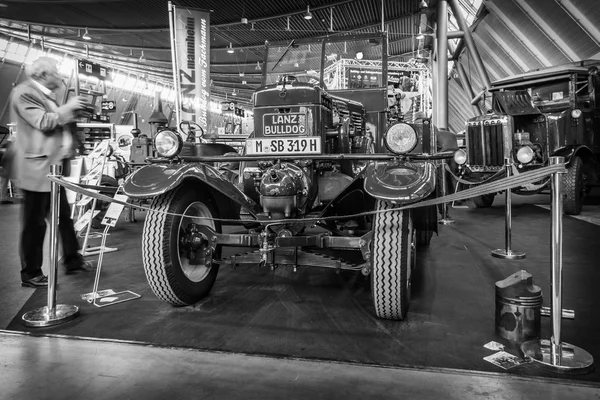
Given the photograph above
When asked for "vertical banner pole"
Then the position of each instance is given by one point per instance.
(554, 354)
(52, 314)
(176, 83)
(507, 252)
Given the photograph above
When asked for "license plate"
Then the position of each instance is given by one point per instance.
(284, 124)
(306, 145)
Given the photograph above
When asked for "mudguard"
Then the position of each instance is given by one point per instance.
(569, 152)
(155, 179)
(402, 182)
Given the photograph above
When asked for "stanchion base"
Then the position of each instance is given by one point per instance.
(508, 254)
(574, 360)
(42, 317)
(446, 221)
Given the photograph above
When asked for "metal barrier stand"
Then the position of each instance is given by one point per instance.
(554, 354)
(507, 252)
(446, 220)
(52, 314)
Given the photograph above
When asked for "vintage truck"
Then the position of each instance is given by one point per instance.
(536, 115)
(324, 170)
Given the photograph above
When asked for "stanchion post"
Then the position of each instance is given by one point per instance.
(507, 252)
(446, 220)
(554, 354)
(52, 314)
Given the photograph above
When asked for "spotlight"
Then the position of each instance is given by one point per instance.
(359, 55)
(230, 49)
(308, 14)
(423, 4)
(86, 35)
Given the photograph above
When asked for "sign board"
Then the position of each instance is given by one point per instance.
(89, 68)
(191, 31)
(100, 118)
(108, 106)
(114, 211)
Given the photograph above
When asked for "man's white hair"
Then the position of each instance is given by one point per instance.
(42, 65)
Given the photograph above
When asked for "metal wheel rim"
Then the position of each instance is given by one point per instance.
(194, 272)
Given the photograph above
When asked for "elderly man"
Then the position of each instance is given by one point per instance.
(41, 140)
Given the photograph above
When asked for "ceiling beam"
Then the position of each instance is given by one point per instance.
(547, 30)
(517, 33)
(514, 56)
(278, 16)
(587, 26)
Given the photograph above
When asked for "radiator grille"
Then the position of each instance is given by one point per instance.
(485, 149)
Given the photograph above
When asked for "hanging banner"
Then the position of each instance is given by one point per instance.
(191, 67)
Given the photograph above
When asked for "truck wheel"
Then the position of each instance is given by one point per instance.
(173, 277)
(393, 261)
(573, 187)
(484, 201)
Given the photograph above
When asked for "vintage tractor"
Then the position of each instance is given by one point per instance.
(323, 171)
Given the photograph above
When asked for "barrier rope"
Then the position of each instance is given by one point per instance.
(492, 187)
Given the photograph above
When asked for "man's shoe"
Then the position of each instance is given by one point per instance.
(40, 281)
(82, 265)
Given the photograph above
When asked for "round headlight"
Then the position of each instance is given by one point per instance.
(400, 138)
(167, 143)
(576, 113)
(460, 157)
(525, 154)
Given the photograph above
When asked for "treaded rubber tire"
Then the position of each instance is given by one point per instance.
(160, 244)
(393, 260)
(573, 188)
(484, 201)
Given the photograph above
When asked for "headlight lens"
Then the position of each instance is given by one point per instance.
(525, 154)
(576, 113)
(400, 138)
(460, 157)
(167, 143)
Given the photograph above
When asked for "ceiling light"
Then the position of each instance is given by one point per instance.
(86, 35)
(244, 20)
(420, 35)
(252, 27)
(308, 14)
(423, 4)
(142, 58)
(258, 67)
(359, 55)
(234, 93)
(230, 48)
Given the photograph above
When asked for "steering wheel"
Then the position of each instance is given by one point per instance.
(191, 129)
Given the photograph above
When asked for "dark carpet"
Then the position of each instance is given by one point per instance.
(316, 313)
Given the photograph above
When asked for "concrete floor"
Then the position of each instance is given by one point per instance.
(48, 366)
(68, 368)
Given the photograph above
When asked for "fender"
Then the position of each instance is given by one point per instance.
(156, 179)
(401, 182)
(569, 152)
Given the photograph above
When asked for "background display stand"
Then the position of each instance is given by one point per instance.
(52, 314)
(554, 354)
(108, 297)
(507, 253)
(93, 177)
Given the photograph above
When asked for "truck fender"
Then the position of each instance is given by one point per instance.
(401, 182)
(584, 152)
(156, 179)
